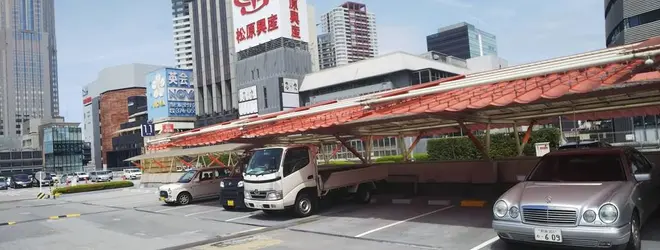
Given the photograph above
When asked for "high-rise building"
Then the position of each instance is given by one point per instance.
(182, 34)
(214, 61)
(28, 86)
(631, 21)
(462, 40)
(349, 35)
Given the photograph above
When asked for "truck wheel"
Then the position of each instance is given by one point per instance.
(305, 205)
(183, 198)
(363, 195)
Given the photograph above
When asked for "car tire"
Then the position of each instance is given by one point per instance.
(635, 241)
(184, 198)
(305, 205)
(363, 195)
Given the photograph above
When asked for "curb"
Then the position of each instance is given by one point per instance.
(63, 216)
(431, 201)
(41, 196)
(9, 223)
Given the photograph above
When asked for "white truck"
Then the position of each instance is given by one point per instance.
(288, 178)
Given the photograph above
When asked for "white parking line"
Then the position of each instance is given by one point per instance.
(186, 206)
(486, 243)
(402, 221)
(241, 217)
(203, 212)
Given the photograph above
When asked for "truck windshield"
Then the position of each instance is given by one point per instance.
(264, 161)
(187, 177)
(579, 168)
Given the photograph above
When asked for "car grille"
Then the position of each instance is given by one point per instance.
(258, 194)
(163, 194)
(549, 216)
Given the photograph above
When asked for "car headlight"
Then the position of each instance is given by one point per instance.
(274, 195)
(240, 184)
(514, 212)
(608, 213)
(589, 216)
(500, 208)
(222, 184)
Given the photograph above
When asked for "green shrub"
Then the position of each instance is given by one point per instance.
(420, 157)
(389, 158)
(501, 145)
(92, 187)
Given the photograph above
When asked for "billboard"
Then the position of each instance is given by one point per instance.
(247, 101)
(259, 21)
(170, 93)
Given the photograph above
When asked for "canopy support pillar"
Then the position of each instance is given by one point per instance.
(487, 146)
(350, 148)
(474, 140)
(526, 137)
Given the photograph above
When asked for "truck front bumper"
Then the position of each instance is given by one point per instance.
(265, 205)
(580, 236)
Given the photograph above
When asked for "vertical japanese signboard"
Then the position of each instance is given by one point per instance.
(170, 93)
(259, 21)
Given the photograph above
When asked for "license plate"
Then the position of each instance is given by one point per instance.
(548, 235)
(162, 198)
(230, 203)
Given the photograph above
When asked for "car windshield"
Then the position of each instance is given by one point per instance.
(102, 172)
(264, 161)
(21, 177)
(187, 177)
(579, 168)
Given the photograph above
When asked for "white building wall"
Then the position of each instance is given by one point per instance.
(313, 43)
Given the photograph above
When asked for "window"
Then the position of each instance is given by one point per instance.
(206, 175)
(639, 163)
(265, 97)
(579, 168)
(295, 159)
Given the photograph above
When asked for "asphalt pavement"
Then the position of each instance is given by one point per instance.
(133, 218)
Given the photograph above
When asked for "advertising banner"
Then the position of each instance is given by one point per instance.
(170, 93)
(259, 21)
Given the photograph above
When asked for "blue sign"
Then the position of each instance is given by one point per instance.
(170, 93)
(148, 129)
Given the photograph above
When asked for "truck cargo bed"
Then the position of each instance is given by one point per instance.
(336, 176)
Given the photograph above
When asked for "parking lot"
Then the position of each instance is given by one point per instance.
(133, 218)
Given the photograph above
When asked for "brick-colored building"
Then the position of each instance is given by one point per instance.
(113, 112)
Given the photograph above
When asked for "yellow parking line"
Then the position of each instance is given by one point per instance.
(72, 215)
(473, 203)
(53, 217)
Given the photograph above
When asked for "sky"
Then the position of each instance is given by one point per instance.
(92, 35)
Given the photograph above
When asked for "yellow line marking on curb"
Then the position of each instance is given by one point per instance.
(473, 203)
(72, 215)
(53, 217)
(11, 223)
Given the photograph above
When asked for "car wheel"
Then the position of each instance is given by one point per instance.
(305, 205)
(184, 198)
(635, 241)
(363, 195)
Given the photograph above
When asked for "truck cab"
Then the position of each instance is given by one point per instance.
(288, 178)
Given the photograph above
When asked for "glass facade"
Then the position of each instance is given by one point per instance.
(462, 40)
(481, 43)
(63, 149)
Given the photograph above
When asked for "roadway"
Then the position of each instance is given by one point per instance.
(133, 218)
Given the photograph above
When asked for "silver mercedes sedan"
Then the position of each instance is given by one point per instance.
(597, 197)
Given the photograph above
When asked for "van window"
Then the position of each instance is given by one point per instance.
(206, 175)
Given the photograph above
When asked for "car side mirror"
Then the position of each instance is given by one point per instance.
(643, 177)
(521, 177)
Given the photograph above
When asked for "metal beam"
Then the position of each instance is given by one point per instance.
(525, 139)
(474, 140)
(350, 148)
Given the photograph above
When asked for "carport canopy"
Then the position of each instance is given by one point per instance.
(222, 148)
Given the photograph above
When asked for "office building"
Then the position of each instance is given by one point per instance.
(63, 148)
(128, 141)
(214, 61)
(21, 160)
(272, 46)
(462, 40)
(28, 86)
(113, 78)
(631, 21)
(182, 34)
(349, 35)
